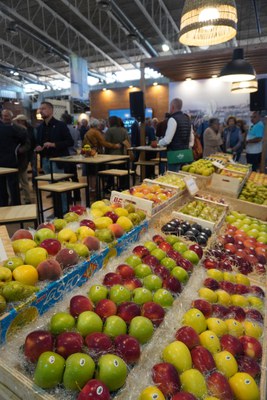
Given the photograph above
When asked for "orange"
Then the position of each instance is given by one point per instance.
(26, 274)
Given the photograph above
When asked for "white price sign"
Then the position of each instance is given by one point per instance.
(191, 185)
(217, 165)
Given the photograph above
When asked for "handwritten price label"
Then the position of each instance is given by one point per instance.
(191, 186)
(217, 165)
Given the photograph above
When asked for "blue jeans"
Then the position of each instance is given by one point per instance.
(47, 170)
(174, 167)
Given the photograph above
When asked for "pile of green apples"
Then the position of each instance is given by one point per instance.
(254, 193)
(203, 210)
(100, 337)
(200, 167)
(216, 354)
(172, 179)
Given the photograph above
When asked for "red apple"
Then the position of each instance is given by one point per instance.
(241, 289)
(229, 287)
(94, 389)
(188, 336)
(153, 311)
(228, 239)
(78, 209)
(166, 378)
(186, 264)
(172, 284)
(98, 344)
(161, 271)
(158, 238)
(128, 310)
(202, 359)
(68, 343)
(125, 271)
(150, 260)
(248, 365)
(251, 347)
(219, 387)
(211, 283)
(112, 215)
(260, 269)
(258, 291)
(237, 313)
(197, 249)
(219, 311)
(254, 315)
(22, 234)
(132, 283)
(174, 255)
(128, 348)
(204, 306)
(89, 223)
(225, 265)
(165, 246)
(111, 278)
(141, 251)
(210, 263)
(79, 304)
(105, 308)
(48, 225)
(230, 248)
(183, 396)
(52, 246)
(232, 344)
(36, 343)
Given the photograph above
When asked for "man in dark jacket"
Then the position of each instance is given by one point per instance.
(11, 137)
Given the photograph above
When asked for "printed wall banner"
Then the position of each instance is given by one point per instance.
(78, 77)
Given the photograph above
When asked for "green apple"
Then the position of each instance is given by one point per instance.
(35, 256)
(115, 326)
(168, 263)
(119, 294)
(150, 245)
(71, 217)
(22, 245)
(142, 295)
(5, 274)
(217, 325)
(42, 234)
(215, 274)
(163, 297)
(262, 238)
(158, 253)
(241, 278)
(80, 249)
(61, 322)
(180, 274)
(191, 256)
(234, 327)
(195, 319)
(239, 300)
(89, 322)
(253, 233)
(112, 371)
(133, 260)
(142, 270)
(177, 353)
(49, 370)
(256, 302)
(152, 282)
(97, 292)
(210, 341)
(194, 382)
(172, 239)
(226, 363)
(13, 262)
(141, 328)
(228, 276)
(135, 218)
(208, 294)
(80, 368)
(230, 219)
(59, 223)
(180, 247)
(104, 235)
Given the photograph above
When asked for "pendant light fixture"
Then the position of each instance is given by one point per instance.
(208, 22)
(237, 69)
(245, 87)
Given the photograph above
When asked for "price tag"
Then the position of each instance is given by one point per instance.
(217, 165)
(3, 255)
(191, 185)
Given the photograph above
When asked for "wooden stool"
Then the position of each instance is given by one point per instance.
(57, 189)
(116, 174)
(21, 214)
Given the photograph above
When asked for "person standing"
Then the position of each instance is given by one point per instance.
(25, 155)
(53, 140)
(177, 135)
(212, 139)
(11, 137)
(254, 141)
(232, 138)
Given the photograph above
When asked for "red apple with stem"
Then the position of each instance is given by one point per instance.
(125, 271)
(68, 343)
(79, 304)
(153, 311)
(166, 378)
(36, 343)
(111, 279)
(188, 336)
(105, 308)
(128, 310)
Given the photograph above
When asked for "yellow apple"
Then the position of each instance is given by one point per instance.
(218, 326)
(226, 363)
(210, 341)
(224, 298)
(208, 295)
(84, 231)
(67, 235)
(235, 328)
